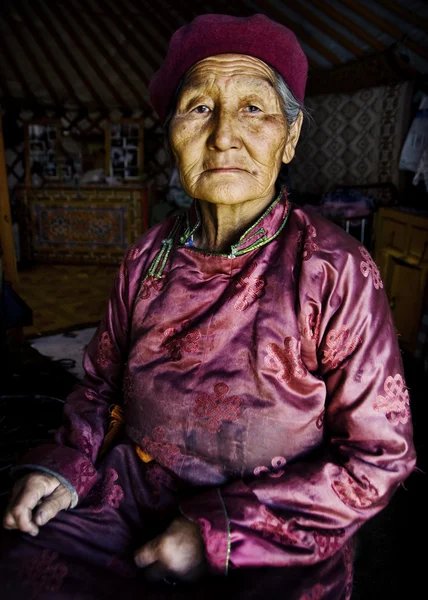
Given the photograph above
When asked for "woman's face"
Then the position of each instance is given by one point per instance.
(229, 134)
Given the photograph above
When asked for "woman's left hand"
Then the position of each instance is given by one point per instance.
(176, 554)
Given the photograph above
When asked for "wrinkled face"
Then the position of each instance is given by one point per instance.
(228, 134)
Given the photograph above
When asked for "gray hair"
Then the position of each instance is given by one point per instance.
(290, 105)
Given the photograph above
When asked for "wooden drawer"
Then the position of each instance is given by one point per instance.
(394, 234)
(405, 295)
(418, 246)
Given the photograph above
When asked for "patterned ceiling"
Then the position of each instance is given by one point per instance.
(102, 53)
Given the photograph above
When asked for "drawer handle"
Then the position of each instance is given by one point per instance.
(392, 303)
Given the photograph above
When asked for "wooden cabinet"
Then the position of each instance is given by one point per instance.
(401, 252)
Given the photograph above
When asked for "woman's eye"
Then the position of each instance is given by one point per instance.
(253, 109)
(202, 108)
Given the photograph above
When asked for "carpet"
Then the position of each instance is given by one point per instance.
(66, 348)
(65, 297)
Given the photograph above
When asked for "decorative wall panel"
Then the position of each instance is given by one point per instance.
(354, 139)
(91, 225)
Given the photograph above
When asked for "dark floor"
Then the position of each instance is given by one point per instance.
(389, 561)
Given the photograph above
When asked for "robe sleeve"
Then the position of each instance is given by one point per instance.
(309, 512)
(74, 451)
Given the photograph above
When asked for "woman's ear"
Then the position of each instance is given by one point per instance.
(292, 139)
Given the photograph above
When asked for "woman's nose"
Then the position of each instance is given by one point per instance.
(225, 132)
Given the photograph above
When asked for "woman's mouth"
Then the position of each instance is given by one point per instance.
(224, 170)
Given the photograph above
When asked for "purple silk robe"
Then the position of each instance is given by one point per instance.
(266, 384)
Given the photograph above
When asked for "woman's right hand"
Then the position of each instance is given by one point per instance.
(36, 499)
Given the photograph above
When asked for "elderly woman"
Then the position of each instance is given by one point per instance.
(248, 349)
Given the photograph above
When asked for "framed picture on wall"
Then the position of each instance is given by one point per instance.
(41, 150)
(124, 149)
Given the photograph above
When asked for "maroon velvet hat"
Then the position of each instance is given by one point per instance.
(209, 35)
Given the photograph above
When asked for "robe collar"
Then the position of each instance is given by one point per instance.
(266, 228)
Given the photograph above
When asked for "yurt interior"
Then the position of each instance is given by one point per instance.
(85, 171)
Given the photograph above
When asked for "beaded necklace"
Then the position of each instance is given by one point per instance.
(158, 264)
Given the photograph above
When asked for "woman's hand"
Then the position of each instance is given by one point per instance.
(178, 553)
(39, 491)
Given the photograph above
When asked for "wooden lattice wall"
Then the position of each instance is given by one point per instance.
(79, 124)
